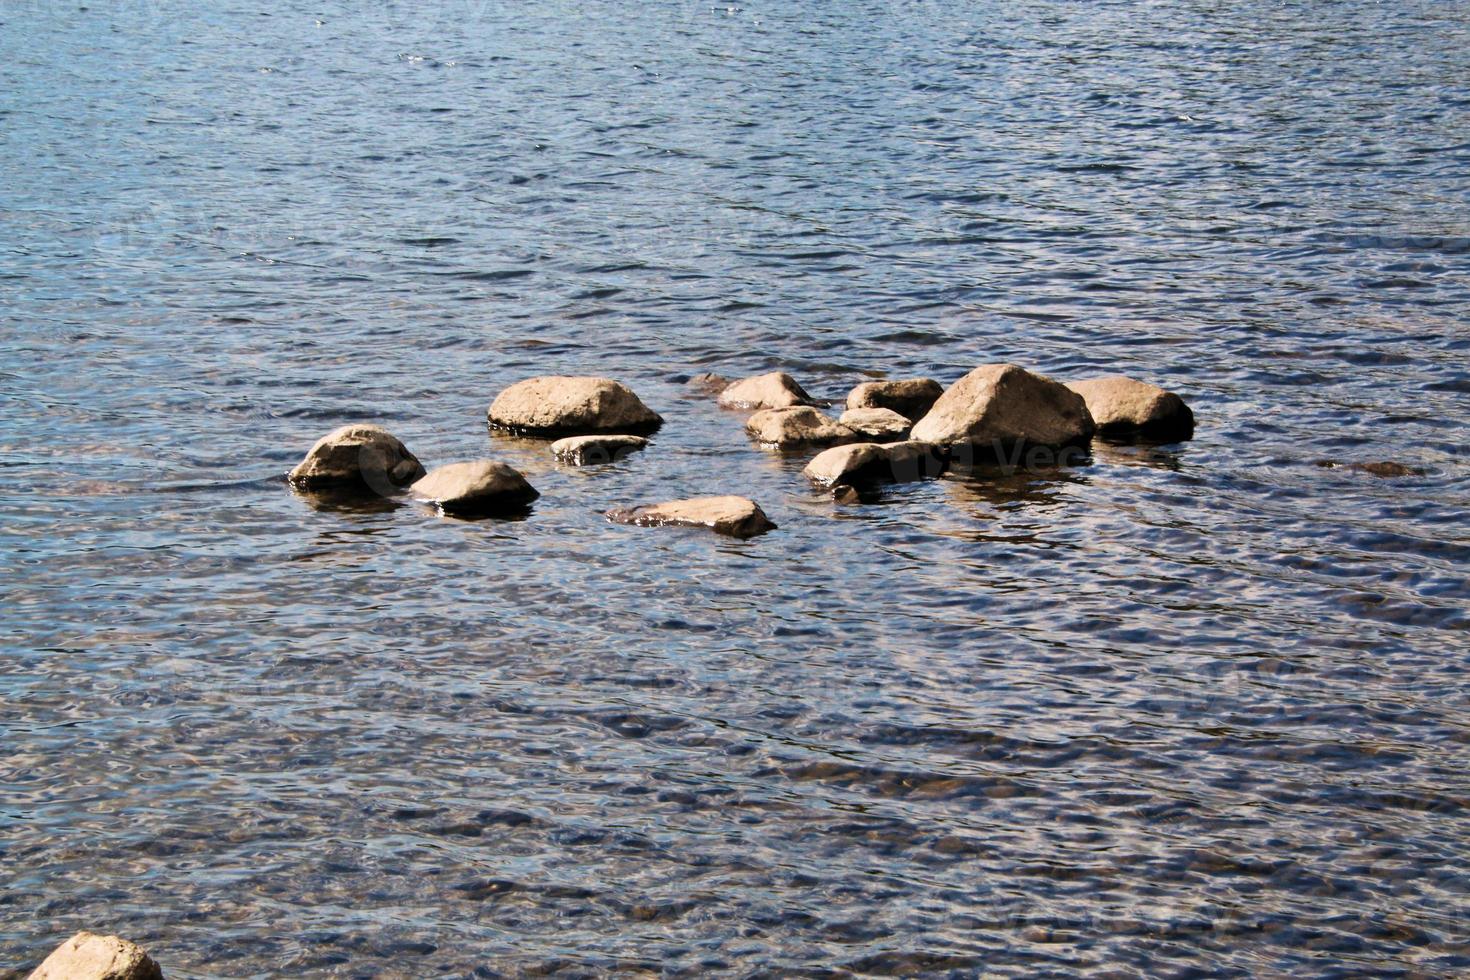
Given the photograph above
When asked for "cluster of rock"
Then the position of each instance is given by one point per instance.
(900, 430)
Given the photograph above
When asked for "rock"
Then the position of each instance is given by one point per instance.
(774, 390)
(1123, 407)
(1000, 408)
(877, 424)
(735, 516)
(1388, 469)
(871, 462)
(87, 956)
(357, 458)
(911, 398)
(592, 450)
(478, 488)
(803, 425)
(555, 405)
(712, 383)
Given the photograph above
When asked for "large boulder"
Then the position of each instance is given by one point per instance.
(788, 428)
(357, 458)
(999, 408)
(912, 398)
(564, 406)
(1124, 407)
(774, 390)
(876, 424)
(479, 488)
(592, 450)
(88, 956)
(871, 462)
(735, 516)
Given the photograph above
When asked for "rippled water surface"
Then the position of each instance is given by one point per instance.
(1191, 710)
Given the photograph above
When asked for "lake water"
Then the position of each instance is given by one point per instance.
(1194, 710)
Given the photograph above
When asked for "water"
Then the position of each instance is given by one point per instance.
(1197, 710)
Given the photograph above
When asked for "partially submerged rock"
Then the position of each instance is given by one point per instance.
(774, 390)
(479, 488)
(1124, 407)
(555, 405)
(788, 428)
(88, 956)
(912, 398)
(876, 424)
(593, 450)
(998, 408)
(712, 383)
(871, 462)
(735, 516)
(1387, 469)
(357, 458)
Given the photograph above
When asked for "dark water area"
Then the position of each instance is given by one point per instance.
(1198, 710)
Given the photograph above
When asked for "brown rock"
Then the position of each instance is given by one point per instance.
(871, 462)
(910, 398)
(803, 425)
(999, 407)
(774, 390)
(87, 956)
(877, 424)
(556, 405)
(1387, 469)
(593, 450)
(712, 383)
(1125, 407)
(735, 516)
(357, 458)
(479, 488)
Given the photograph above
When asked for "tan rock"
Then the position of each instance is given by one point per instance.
(877, 424)
(912, 398)
(1000, 407)
(87, 956)
(1123, 406)
(592, 450)
(359, 458)
(481, 487)
(555, 405)
(774, 390)
(871, 462)
(735, 516)
(787, 428)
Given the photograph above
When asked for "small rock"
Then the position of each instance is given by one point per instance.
(1125, 407)
(555, 405)
(592, 450)
(911, 398)
(871, 462)
(842, 493)
(998, 407)
(1388, 469)
(357, 458)
(712, 383)
(479, 488)
(774, 390)
(87, 956)
(803, 425)
(735, 516)
(877, 424)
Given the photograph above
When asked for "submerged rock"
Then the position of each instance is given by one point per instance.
(997, 408)
(1124, 407)
(736, 516)
(872, 462)
(1387, 468)
(357, 458)
(877, 424)
(555, 405)
(479, 488)
(803, 425)
(593, 450)
(88, 956)
(774, 390)
(712, 383)
(912, 398)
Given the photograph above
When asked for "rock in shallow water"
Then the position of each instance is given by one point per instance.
(877, 424)
(1387, 469)
(712, 383)
(556, 405)
(912, 398)
(357, 458)
(594, 450)
(479, 488)
(87, 956)
(788, 428)
(998, 407)
(871, 462)
(1124, 407)
(736, 516)
(774, 390)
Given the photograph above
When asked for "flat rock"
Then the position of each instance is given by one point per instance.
(876, 424)
(593, 450)
(912, 398)
(479, 488)
(357, 458)
(88, 956)
(774, 390)
(555, 405)
(1124, 407)
(1387, 469)
(998, 407)
(736, 516)
(787, 428)
(872, 462)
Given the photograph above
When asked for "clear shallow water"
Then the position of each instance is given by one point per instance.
(1193, 711)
